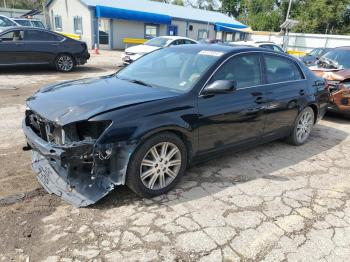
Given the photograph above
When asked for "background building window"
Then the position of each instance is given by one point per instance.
(78, 25)
(219, 35)
(58, 23)
(229, 37)
(151, 31)
(203, 34)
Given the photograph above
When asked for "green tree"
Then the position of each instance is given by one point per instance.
(178, 2)
(261, 15)
(22, 4)
(322, 16)
(174, 2)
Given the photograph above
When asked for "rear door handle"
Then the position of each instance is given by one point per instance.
(19, 44)
(55, 44)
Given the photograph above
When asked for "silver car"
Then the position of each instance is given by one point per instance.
(6, 22)
(29, 22)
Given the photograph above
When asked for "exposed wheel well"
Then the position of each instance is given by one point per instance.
(315, 109)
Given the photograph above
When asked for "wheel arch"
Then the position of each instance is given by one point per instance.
(315, 110)
(180, 132)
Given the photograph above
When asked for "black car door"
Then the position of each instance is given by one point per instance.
(42, 46)
(12, 49)
(286, 90)
(235, 118)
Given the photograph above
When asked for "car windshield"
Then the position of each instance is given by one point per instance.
(158, 41)
(315, 52)
(5, 22)
(38, 24)
(23, 22)
(171, 68)
(341, 57)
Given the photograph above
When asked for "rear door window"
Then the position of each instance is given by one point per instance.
(178, 42)
(280, 69)
(189, 42)
(23, 22)
(36, 35)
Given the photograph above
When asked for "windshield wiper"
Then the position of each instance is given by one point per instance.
(135, 81)
(139, 82)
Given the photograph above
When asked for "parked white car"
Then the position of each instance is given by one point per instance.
(6, 22)
(261, 44)
(135, 52)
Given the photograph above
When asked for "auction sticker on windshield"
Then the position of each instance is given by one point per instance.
(210, 53)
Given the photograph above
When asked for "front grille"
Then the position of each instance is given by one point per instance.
(43, 128)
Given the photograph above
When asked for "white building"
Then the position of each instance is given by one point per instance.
(108, 22)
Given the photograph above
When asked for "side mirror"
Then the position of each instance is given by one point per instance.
(220, 87)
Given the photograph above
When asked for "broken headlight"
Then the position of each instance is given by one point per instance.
(83, 131)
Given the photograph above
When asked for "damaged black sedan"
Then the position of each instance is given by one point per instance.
(144, 125)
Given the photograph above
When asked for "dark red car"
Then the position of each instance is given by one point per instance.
(334, 66)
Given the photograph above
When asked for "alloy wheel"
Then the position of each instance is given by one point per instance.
(160, 166)
(65, 63)
(304, 126)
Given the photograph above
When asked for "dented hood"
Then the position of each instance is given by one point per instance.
(331, 74)
(82, 99)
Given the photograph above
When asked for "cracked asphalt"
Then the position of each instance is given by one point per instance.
(275, 202)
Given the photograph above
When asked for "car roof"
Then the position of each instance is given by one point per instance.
(232, 49)
(347, 48)
(27, 19)
(218, 48)
(253, 43)
(29, 28)
(8, 29)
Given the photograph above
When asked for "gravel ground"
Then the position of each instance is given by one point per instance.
(272, 203)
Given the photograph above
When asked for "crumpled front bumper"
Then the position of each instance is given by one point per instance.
(64, 171)
(56, 184)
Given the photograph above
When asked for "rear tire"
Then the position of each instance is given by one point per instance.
(157, 165)
(302, 127)
(64, 63)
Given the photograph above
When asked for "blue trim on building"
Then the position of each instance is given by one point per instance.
(117, 13)
(228, 27)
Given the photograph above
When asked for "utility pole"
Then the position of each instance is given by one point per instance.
(286, 36)
(5, 4)
(289, 7)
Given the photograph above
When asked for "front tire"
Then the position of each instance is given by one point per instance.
(64, 63)
(302, 127)
(157, 165)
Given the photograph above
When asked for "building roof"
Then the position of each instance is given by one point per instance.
(174, 11)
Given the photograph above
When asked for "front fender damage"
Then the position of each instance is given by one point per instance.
(84, 172)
